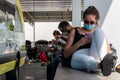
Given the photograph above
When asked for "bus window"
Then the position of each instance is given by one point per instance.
(18, 25)
(2, 20)
(3, 31)
(10, 22)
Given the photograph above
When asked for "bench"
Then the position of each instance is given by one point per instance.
(70, 74)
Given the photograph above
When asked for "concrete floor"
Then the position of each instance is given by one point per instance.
(33, 71)
(70, 74)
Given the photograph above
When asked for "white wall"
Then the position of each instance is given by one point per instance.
(28, 32)
(43, 30)
(109, 22)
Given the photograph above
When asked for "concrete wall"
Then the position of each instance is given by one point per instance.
(109, 22)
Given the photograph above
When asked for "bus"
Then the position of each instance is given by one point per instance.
(12, 39)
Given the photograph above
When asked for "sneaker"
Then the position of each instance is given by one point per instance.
(118, 68)
(43, 63)
(114, 63)
(114, 53)
(29, 62)
(107, 64)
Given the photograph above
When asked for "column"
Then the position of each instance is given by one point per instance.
(76, 12)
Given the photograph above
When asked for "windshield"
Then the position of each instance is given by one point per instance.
(2, 20)
(11, 27)
(6, 31)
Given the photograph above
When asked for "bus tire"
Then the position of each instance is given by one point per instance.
(14, 74)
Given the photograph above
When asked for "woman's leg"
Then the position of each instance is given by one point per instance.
(81, 60)
(99, 46)
(99, 51)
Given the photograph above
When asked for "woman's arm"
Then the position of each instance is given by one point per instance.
(69, 48)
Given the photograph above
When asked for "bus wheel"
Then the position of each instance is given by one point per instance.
(17, 70)
(14, 74)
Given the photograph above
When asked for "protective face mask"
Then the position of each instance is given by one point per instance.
(89, 27)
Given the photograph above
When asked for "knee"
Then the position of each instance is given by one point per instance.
(98, 32)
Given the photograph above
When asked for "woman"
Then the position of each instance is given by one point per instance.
(88, 47)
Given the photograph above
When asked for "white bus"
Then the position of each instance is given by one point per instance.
(12, 41)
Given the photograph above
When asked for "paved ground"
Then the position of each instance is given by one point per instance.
(33, 71)
(70, 74)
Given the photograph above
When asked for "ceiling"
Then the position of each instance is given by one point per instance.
(48, 10)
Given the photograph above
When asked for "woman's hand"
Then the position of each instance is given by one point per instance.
(54, 41)
(58, 36)
(85, 40)
(88, 37)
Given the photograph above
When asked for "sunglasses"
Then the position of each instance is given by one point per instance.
(89, 22)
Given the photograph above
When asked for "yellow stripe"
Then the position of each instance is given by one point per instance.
(7, 67)
(22, 61)
(20, 12)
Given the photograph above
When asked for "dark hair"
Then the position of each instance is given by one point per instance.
(63, 24)
(49, 42)
(91, 10)
(56, 32)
